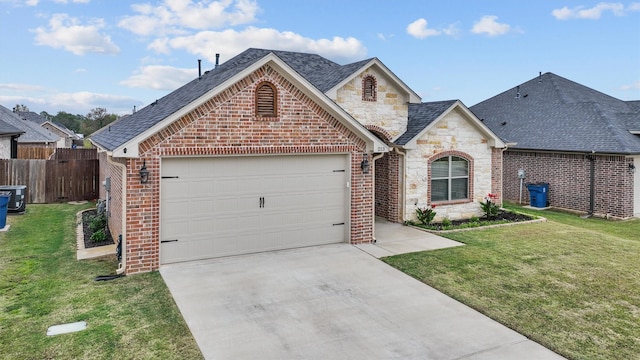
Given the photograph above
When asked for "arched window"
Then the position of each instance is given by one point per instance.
(449, 179)
(266, 100)
(369, 91)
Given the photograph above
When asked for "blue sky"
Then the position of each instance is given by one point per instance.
(75, 55)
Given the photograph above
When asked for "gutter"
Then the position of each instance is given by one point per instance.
(122, 266)
(373, 160)
(403, 193)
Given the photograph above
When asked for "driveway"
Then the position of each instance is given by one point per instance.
(330, 302)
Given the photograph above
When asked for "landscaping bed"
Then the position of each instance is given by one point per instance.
(87, 217)
(501, 217)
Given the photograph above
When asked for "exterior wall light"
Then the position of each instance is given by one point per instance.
(632, 168)
(144, 173)
(364, 165)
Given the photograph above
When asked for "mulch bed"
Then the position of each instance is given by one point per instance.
(502, 217)
(86, 220)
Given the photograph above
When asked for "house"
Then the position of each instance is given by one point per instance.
(34, 136)
(66, 135)
(9, 140)
(583, 143)
(274, 149)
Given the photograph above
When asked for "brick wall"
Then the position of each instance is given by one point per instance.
(226, 124)
(387, 187)
(569, 177)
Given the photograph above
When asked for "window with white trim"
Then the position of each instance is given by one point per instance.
(449, 179)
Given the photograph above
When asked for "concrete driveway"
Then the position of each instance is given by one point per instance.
(330, 302)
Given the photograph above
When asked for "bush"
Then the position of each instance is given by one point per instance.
(490, 208)
(98, 222)
(98, 236)
(426, 215)
(474, 219)
(446, 222)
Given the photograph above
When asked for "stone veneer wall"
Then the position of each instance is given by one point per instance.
(5, 147)
(390, 112)
(453, 135)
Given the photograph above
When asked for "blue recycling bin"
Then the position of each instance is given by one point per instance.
(4, 203)
(538, 194)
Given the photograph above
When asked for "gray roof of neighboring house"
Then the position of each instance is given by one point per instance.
(556, 114)
(420, 116)
(8, 129)
(320, 72)
(41, 120)
(33, 133)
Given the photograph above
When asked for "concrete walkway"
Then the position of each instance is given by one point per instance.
(332, 302)
(393, 239)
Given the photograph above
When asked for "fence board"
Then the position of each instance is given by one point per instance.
(76, 154)
(52, 181)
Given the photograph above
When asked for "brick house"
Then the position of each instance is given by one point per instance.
(582, 142)
(273, 150)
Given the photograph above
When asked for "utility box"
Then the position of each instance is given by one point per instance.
(4, 200)
(538, 194)
(18, 201)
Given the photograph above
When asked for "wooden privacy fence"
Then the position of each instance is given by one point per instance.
(52, 181)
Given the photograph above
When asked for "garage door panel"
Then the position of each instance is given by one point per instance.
(236, 205)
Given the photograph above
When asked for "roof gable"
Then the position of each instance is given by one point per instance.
(123, 136)
(550, 112)
(32, 132)
(424, 116)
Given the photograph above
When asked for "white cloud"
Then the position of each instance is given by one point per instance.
(419, 29)
(20, 87)
(69, 34)
(161, 77)
(632, 86)
(594, 13)
(231, 42)
(73, 1)
(177, 16)
(489, 25)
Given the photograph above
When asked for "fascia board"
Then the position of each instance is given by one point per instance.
(130, 149)
(413, 97)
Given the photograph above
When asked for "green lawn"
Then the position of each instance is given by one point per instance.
(571, 284)
(42, 284)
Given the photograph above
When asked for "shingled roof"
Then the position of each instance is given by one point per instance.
(32, 132)
(552, 113)
(320, 72)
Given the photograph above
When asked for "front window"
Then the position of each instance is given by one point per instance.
(449, 179)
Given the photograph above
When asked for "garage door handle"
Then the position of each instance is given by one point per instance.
(338, 224)
(261, 204)
(166, 241)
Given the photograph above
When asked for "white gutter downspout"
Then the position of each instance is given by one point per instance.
(122, 266)
(373, 160)
(403, 193)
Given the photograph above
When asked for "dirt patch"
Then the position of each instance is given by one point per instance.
(86, 220)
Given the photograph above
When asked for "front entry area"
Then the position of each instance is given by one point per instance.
(220, 206)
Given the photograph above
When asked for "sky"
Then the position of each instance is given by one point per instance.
(77, 55)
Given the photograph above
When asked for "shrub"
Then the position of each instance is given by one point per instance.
(474, 219)
(98, 236)
(490, 207)
(426, 215)
(446, 222)
(98, 222)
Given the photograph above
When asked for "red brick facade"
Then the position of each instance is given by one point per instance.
(569, 177)
(226, 125)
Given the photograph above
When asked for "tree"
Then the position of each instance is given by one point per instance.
(21, 108)
(96, 119)
(72, 122)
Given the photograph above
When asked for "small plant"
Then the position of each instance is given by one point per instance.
(98, 236)
(426, 215)
(489, 206)
(98, 222)
(474, 219)
(446, 222)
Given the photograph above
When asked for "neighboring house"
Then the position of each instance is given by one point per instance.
(582, 142)
(34, 135)
(66, 135)
(9, 140)
(274, 150)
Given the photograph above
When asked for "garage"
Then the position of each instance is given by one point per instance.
(221, 206)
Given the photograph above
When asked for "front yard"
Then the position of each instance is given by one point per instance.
(571, 284)
(42, 284)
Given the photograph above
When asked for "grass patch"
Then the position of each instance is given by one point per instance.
(571, 284)
(42, 284)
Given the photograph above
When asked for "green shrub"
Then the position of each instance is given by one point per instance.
(98, 222)
(426, 215)
(490, 208)
(446, 222)
(98, 236)
(474, 219)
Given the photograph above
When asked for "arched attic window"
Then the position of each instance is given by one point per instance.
(369, 88)
(266, 100)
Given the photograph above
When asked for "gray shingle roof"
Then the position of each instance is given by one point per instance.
(554, 113)
(320, 72)
(32, 131)
(420, 116)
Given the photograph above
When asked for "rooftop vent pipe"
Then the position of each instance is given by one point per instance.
(199, 68)
(518, 92)
(540, 77)
(217, 61)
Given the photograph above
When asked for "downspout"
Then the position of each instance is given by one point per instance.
(403, 182)
(122, 265)
(373, 160)
(592, 183)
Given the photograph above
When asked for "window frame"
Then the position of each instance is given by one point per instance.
(449, 179)
(260, 100)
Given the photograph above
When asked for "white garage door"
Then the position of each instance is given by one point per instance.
(220, 206)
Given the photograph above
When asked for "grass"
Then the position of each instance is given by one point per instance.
(42, 284)
(571, 284)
